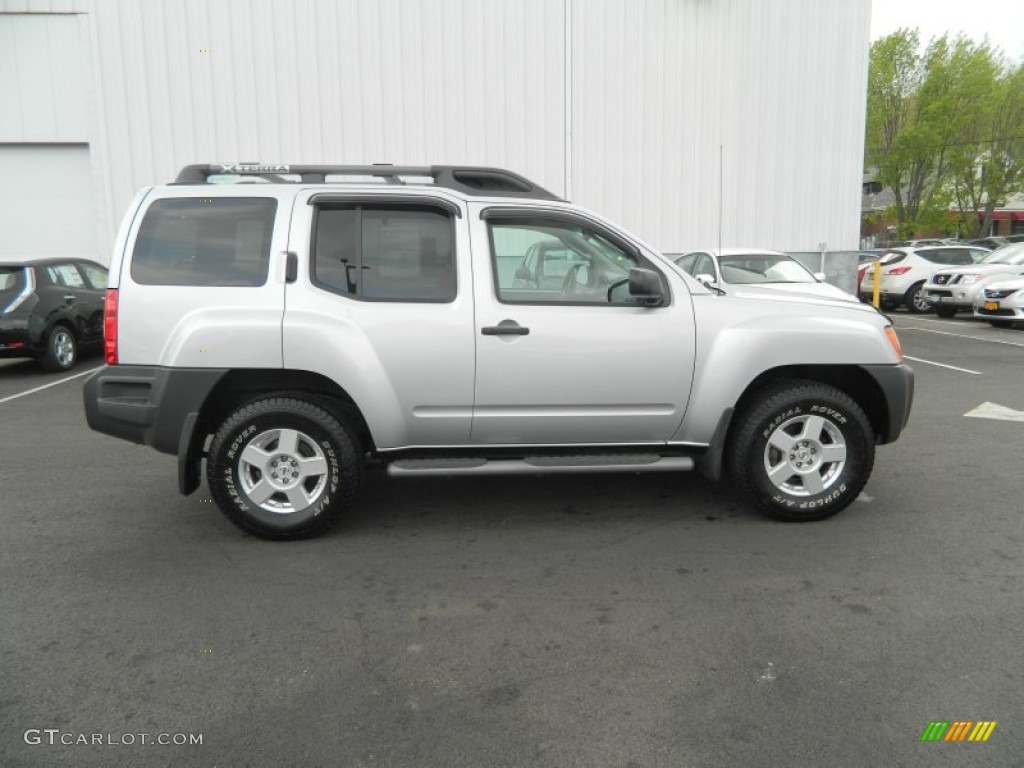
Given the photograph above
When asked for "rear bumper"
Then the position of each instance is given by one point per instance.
(896, 383)
(147, 404)
(15, 339)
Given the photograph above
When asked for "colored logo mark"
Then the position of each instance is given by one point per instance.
(958, 730)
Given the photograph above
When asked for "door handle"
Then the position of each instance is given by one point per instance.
(505, 328)
(69, 297)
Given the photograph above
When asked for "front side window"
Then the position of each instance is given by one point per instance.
(541, 260)
(222, 241)
(385, 253)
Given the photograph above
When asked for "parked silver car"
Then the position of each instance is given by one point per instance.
(959, 288)
(1001, 302)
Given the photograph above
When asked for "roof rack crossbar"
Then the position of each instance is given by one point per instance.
(469, 180)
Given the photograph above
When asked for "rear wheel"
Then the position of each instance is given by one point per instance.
(914, 299)
(61, 350)
(946, 312)
(801, 451)
(284, 468)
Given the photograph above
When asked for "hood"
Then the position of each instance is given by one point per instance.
(1007, 284)
(792, 292)
(979, 269)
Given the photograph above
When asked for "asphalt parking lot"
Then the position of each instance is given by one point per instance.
(582, 621)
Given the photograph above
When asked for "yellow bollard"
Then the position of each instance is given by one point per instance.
(877, 279)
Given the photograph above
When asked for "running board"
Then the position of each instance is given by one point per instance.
(540, 465)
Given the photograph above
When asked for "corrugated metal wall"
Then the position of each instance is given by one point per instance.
(626, 104)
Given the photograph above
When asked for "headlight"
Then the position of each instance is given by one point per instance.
(968, 279)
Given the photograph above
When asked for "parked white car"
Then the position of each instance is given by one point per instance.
(733, 270)
(906, 270)
(1001, 302)
(959, 288)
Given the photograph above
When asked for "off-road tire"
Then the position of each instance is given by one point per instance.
(791, 407)
(319, 438)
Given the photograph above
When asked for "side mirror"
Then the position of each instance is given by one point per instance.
(645, 285)
(524, 273)
(819, 276)
(705, 279)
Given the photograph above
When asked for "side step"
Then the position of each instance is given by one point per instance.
(540, 465)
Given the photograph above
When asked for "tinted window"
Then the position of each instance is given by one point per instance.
(401, 253)
(205, 241)
(584, 263)
(96, 277)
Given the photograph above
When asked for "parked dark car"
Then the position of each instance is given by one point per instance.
(50, 309)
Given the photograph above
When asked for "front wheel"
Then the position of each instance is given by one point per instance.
(802, 451)
(284, 468)
(945, 312)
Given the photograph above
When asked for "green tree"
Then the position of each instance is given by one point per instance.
(938, 125)
(988, 161)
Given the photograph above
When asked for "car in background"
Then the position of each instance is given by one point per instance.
(51, 309)
(958, 288)
(734, 269)
(1001, 302)
(906, 270)
(989, 242)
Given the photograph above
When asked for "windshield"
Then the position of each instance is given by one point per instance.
(745, 269)
(1008, 254)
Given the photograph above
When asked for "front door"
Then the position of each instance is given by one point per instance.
(560, 360)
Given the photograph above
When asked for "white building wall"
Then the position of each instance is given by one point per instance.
(625, 104)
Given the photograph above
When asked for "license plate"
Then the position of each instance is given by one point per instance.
(991, 306)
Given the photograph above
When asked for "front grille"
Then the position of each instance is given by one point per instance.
(940, 293)
(941, 279)
(996, 312)
(1000, 294)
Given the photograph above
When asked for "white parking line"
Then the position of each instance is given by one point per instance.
(950, 321)
(47, 386)
(943, 365)
(961, 336)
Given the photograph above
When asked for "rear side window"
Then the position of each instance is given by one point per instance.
(205, 241)
(65, 275)
(399, 253)
(12, 280)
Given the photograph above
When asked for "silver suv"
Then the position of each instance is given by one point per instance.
(296, 325)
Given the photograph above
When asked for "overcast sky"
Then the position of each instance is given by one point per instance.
(1001, 20)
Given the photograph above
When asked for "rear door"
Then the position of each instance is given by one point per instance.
(382, 306)
(73, 300)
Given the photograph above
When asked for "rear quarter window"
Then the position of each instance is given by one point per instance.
(205, 241)
(11, 279)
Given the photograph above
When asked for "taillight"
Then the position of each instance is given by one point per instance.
(110, 327)
(898, 270)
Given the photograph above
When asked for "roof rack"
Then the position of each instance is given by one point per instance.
(469, 180)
